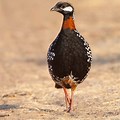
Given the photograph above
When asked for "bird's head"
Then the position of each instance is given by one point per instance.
(63, 8)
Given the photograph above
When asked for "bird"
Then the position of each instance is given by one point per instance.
(69, 56)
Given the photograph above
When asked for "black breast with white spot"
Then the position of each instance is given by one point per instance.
(86, 46)
(69, 55)
(51, 58)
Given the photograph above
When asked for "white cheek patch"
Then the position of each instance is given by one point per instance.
(68, 9)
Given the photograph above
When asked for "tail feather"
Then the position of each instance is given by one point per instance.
(65, 85)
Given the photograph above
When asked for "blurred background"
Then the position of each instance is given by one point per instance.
(27, 28)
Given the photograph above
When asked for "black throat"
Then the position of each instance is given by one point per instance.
(67, 16)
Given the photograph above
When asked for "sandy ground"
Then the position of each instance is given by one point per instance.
(27, 28)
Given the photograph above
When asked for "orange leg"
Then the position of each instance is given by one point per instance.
(72, 95)
(67, 98)
(71, 101)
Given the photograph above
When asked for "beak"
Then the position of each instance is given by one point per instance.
(54, 9)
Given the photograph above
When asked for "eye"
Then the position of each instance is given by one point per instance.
(62, 7)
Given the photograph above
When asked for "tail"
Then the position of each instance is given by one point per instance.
(65, 85)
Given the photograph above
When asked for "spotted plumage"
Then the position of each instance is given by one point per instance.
(69, 56)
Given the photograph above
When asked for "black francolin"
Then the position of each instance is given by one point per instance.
(69, 56)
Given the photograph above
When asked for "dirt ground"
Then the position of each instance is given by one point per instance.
(27, 27)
